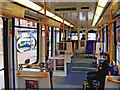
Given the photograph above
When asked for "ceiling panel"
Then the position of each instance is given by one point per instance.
(76, 17)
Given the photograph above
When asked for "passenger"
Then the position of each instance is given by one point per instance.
(103, 70)
(116, 70)
(101, 73)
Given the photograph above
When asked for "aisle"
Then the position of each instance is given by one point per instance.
(76, 72)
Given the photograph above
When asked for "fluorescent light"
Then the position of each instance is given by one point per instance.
(48, 13)
(99, 10)
(58, 19)
(67, 23)
(71, 25)
(96, 17)
(36, 7)
(102, 3)
(93, 24)
(29, 4)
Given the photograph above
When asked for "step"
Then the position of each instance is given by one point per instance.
(83, 65)
(86, 69)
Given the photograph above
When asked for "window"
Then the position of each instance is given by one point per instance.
(26, 43)
(1, 54)
(82, 35)
(57, 35)
(74, 36)
(43, 30)
(118, 44)
(91, 36)
(49, 41)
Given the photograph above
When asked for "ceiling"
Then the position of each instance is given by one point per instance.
(77, 17)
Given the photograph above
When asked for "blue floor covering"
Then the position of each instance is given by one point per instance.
(75, 78)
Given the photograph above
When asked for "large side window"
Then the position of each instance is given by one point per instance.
(74, 36)
(26, 40)
(1, 55)
(91, 35)
(50, 49)
(118, 41)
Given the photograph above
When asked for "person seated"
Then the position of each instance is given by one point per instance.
(103, 70)
(101, 73)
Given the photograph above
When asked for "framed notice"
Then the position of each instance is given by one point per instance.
(31, 84)
(60, 64)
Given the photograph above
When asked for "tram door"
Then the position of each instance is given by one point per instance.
(1, 55)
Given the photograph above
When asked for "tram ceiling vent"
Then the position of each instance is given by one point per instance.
(77, 8)
(85, 8)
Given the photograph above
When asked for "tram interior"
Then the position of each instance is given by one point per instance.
(70, 36)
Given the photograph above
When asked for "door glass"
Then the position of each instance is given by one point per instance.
(1, 55)
(26, 41)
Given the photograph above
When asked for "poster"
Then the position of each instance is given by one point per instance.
(31, 84)
(60, 64)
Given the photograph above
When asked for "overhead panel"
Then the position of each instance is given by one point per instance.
(12, 9)
(53, 23)
(85, 8)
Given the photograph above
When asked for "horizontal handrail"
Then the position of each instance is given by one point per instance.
(15, 16)
(111, 80)
(31, 76)
(29, 64)
(69, 52)
(110, 22)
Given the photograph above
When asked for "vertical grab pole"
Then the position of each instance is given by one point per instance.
(45, 39)
(86, 26)
(111, 38)
(101, 36)
(70, 27)
(63, 33)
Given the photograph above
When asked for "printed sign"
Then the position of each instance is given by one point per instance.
(31, 84)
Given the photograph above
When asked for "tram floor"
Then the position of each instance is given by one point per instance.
(76, 73)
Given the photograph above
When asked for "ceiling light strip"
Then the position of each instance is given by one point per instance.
(99, 10)
(36, 7)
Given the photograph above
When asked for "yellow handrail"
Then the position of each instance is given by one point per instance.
(31, 76)
(111, 80)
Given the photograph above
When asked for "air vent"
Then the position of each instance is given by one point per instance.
(84, 8)
(66, 9)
